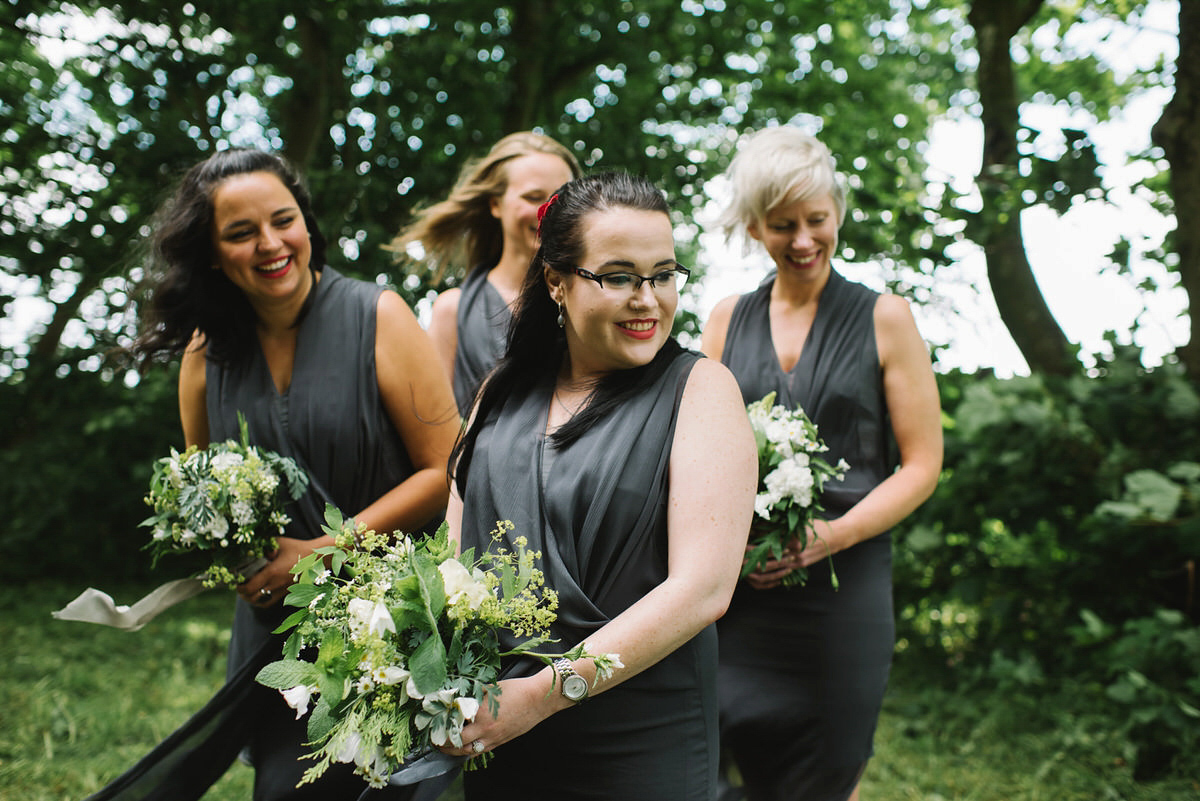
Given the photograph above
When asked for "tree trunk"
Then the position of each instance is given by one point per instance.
(306, 114)
(1175, 133)
(1018, 297)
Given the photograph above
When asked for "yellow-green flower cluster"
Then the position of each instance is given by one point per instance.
(406, 638)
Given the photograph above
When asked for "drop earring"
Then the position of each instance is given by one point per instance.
(560, 320)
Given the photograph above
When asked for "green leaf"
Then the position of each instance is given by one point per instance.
(302, 594)
(428, 665)
(292, 620)
(287, 673)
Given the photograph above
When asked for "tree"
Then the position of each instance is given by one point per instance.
(1175, 133)
(1018, 298)
(381, 102)
(1013, 175)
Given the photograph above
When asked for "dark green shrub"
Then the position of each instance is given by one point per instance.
(1062, 502)
(76, 453)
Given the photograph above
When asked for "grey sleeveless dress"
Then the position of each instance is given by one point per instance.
(483, 319)
(803, 670)
(332, 422)
(597, 510)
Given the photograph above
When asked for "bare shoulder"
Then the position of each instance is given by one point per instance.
(892, 311)
(711, 389)
(392, 313)
(717, 326)
(445, 307)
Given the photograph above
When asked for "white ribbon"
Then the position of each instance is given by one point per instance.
(94, 606)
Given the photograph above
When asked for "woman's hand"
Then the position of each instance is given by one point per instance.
(267, 587)
(523, 703)
(829, 540)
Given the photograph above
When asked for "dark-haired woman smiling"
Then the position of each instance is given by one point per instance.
(629, 464)
(330, 371)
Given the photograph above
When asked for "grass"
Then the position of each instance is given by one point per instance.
(81, 703)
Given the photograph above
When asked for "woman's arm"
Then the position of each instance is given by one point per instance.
(443, 328)
(710, 504)
(712, 339)
(193, 408)
(420, 404)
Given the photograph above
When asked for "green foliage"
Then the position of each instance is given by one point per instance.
(382, 104)
(76, 460)
(79, 704)
(1063, 499)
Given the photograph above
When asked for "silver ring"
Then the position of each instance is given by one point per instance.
(477, 747)
(264, 592)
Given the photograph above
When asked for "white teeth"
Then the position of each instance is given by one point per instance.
(639, 326)
(271, 267)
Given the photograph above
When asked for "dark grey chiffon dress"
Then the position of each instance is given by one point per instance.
(597, 510)
(483, 319)
(333, 423)
(804, 669)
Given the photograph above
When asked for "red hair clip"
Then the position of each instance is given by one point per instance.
(542, 209)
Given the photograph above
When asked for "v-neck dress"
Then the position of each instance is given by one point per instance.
(597, 511)
(482, 326)
(804, 669)
(333, 423)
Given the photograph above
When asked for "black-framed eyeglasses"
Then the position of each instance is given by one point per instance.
(663, 280)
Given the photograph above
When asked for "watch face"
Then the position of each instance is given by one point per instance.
(575, 687)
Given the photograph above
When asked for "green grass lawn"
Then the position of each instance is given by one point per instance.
(81, 703)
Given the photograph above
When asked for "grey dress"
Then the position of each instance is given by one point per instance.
(482, 326)
(804, 669)
(597, 511)
(333, 423)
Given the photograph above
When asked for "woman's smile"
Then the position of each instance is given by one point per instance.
(639, 329)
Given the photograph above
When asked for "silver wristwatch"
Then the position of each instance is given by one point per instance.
(574, 686)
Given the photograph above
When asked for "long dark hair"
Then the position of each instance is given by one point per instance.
(181, 292)
(536, 344)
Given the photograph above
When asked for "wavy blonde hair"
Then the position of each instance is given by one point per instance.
(460, 231)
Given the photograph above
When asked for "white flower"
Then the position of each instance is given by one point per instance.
(242, 512)
(460, 584)
(322, 577)
(410, 687)
(298, 697)
(791, 479)
(390, 675)
(188, 536)
(468, 707)
(226, 461)
(762, 505)
(368, 618)
(218, 528)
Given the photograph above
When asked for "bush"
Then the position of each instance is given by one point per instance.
(76, 456)
(1065, 503)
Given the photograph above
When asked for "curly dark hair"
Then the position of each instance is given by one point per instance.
(182, 293)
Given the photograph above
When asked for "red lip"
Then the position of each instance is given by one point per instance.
(277, 272)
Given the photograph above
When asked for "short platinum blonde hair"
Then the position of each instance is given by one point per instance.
(775, 166)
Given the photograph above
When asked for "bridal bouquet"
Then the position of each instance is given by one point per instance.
(791, 475)
(227, 498)
(405, 639)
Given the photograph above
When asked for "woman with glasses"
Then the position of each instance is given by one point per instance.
(488, 226)
(595, 436)
(803, 669)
